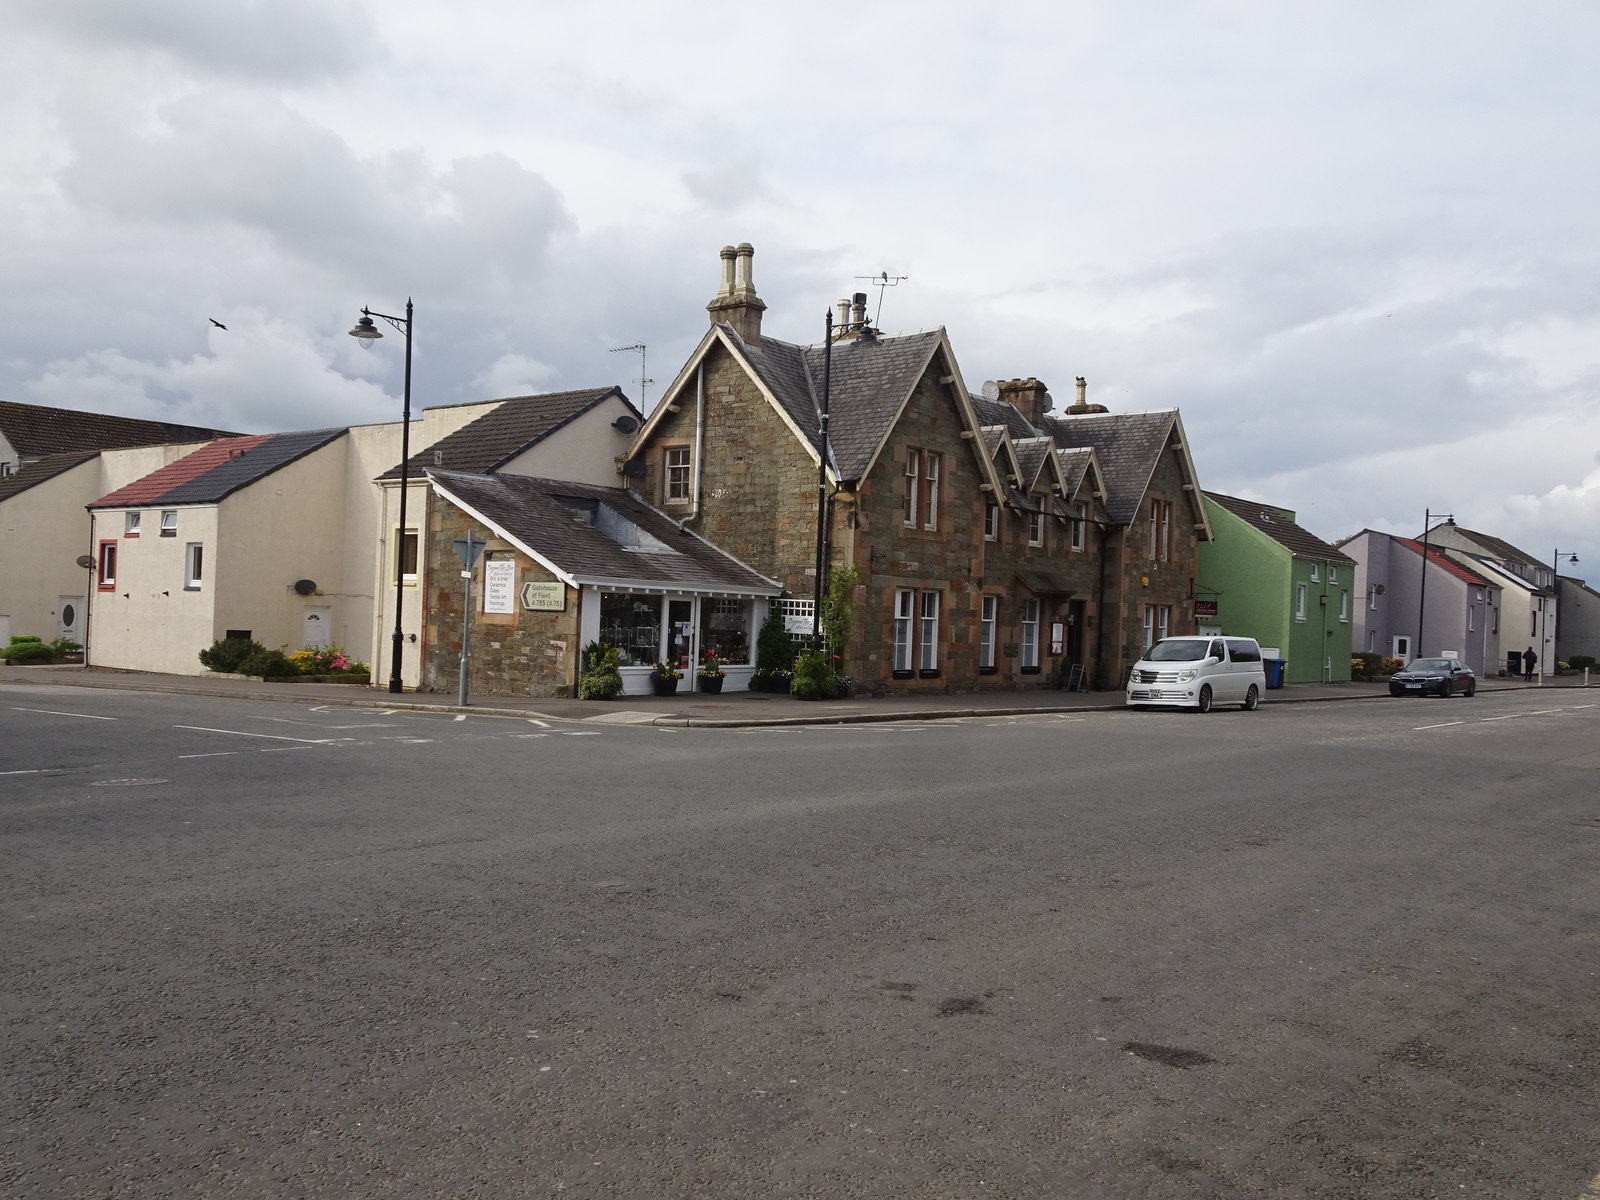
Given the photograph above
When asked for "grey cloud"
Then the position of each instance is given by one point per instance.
(284, 40)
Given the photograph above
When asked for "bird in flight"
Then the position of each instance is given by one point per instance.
(216, 322)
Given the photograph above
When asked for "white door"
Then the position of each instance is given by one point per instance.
(318, 620)
(1402, 648)
(69, 617)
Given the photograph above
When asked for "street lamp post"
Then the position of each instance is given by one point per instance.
(1548, 645)
(368, 332)
(1422, 589)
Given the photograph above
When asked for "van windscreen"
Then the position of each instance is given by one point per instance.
(1177, 650)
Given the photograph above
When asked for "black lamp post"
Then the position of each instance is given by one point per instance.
(1422, 590)
(1555, 594)
(368, 332)
(822, 484)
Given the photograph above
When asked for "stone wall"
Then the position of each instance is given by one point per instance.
(513, 654)
(1141, 580)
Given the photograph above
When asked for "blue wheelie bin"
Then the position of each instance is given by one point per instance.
(1274, 668)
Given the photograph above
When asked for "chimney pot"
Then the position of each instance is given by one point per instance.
(736, 301)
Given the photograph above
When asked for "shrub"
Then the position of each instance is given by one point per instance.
(600, 678)
(774, 647)
(227, 655)
(1364, 663)
(813, 677)
(1582, 662)
(26, 639)
(65, 645)
(29, 652)
(1391, 665)
(326, 660)
(268, 662)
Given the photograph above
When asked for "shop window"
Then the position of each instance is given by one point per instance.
(633, 625)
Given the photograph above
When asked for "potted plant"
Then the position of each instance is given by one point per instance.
(711, 674)
(664, 678)
(774, 656)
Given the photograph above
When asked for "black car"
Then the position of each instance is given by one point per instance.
(1441, 676)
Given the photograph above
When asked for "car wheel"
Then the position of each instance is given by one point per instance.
(1446, 690)
(1252, 700)
(1472, 689)
(1203, 703)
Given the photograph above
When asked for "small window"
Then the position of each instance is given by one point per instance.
(130, 524)
(903, 601)
(1299, 602)
(169, 523)
(678, 485)
(408, 556)
(1079, 524)
(193, 566)
(1333, 573)
(1316, 573)
(1035, 529)
(1344, 606)
(991, 521)
(986, 625)
(106, 572)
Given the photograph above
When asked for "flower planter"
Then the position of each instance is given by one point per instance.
(664, 687)
(711, 685)
(344, 677)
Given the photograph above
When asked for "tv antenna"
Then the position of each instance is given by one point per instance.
(643, 379)
(880, 281)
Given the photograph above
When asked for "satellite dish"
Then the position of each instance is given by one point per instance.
(304, 587)
(625, 424)
(85, 561)
(633, 468)
(991, 390)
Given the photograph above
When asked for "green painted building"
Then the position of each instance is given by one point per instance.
(1265, 577)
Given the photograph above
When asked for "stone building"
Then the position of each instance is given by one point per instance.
(997, 545)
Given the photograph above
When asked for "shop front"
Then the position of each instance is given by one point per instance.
(682, 629)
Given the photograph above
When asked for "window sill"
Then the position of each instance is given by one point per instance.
(169, 533)
(1030, 670)
(904, 674)
(988, 670)
(928, 673)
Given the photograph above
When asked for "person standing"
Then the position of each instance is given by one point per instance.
(1529, 660)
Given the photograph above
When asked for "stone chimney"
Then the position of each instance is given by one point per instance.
(1083, 407)
(737, 302)
(1029, 397)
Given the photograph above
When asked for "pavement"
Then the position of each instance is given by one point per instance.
(729, 710)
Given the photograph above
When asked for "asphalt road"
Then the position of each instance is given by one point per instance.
(1322, 950)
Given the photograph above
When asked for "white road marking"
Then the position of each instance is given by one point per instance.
(36, 771)
(1586, 706)
(529, 735)
(319, 725)
(213, 754)
(1486, 720)
(461, 716)
(580, 733)
(1442, 725)
(275, 737)
(540, 724)
(53, 713)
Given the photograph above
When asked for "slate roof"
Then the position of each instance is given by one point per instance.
(217, 470)
(1266, 518)
(1031, 455)
(868, 384)
(35, 430)
(1128, 446)
(999, 412)
(550, 518)
(1074, 466)
(1496, 548)
(41, 469)
(498, 436)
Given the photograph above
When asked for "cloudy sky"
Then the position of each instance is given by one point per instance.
(1355, 243)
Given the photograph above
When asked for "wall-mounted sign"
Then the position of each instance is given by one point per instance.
(1205, 608)
(544, 597)
(500, 585)
(1058, 638)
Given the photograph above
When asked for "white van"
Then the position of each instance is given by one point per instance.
(1197, 672)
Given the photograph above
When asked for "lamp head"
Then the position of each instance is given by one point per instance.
(366, 331)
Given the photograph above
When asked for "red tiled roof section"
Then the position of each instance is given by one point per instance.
(1440, 560)
(191, 466)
